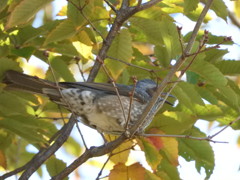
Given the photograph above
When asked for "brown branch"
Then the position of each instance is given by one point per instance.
(43, 155)
(92, 152)
(122, 15)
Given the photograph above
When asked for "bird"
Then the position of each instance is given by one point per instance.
(97, 104)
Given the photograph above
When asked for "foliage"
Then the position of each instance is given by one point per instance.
(210, 91)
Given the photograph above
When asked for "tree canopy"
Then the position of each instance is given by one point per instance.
(117, 41)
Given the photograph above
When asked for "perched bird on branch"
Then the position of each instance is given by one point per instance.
(97, 104)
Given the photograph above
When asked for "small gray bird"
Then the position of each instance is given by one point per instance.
(96, 103)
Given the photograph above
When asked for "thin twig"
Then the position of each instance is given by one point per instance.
(232, 122)
(183, 136)
(115, 87)
(130, 104)
(110, 5)
(80, 69)
(80, 132)
(133, 65)
(105, 163)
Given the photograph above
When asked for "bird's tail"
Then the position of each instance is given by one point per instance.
(18, 81)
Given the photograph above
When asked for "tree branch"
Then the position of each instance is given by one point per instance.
(42, 156)
(122, 15)
(92, 152)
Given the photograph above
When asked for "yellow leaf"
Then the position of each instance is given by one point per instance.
(121, 152)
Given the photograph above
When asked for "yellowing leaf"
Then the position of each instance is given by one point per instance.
(83, 49)
(152, 154)
(122, 151)
(167, 145)
(132, 172)
(25, 11)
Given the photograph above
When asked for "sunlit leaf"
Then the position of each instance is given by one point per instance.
(120, 49)
(63, 31)
(25, 11)
(190, 5)
(61, 68)
(121, 153)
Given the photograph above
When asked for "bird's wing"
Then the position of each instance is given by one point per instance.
(105, 88)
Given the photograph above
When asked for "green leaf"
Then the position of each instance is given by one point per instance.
(7, 64)
(192, 93)
(3, 4)
(173, 122)
(192, 77)
(229, 67)
(190, 5)
(121, 49)
(25, 11)
(61, 68)
(63, 31)
(227, 95)
(167, 171)
(24, 126)
(207, 95)
(25, 52)
(199, 151)
(72, 147)
(219, 7)
(209, 72)
(12, 105)
(6, 139)
(55, 166)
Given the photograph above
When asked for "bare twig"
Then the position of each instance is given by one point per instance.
(133, 65)
(130, 104)
(184, 137)
(115, 87)
(79, 68)
(105, 163)
(232, 122)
